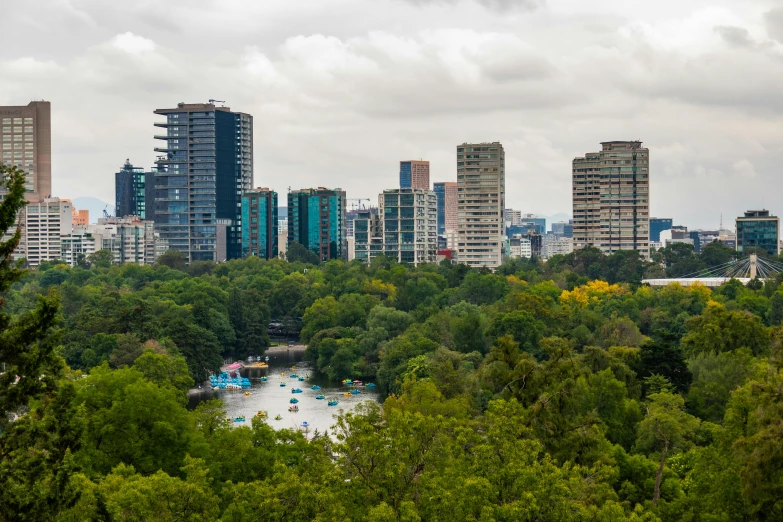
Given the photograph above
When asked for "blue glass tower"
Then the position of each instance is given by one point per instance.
(205, 167)
(658, 225)
(406, 177)
(133, 190)
(440, 193)
(316, 220)
(259, 223)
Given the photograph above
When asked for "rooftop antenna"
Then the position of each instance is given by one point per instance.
(216, 101)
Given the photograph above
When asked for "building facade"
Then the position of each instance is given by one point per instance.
(481, 187)
(205, 167)
(259, 223)
(42, 225)
(658, 225)
(611, 198)
(367, 235)
(446, 192)
(316, 220)
(561, 228)
(519, 247)
(26, 134)
(532, 222)
(410, 225)
(556, 245)
(129, 239)
(415, 174)
(512, 217)
(133, 191)
(758, 230)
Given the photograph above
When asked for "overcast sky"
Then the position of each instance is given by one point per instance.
(342, 90)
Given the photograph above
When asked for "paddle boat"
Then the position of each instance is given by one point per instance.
(282, 384)
(320, 397)
(278, 417)
(282, 375)
(293, 408)
(266, 358)
(305, 424)
(260, 414)
(294, 401)
(247, 394)
(347, 381)
(241, 418)
(293, 376)
(264, 379)
(332, 403)
(371, 385)
(296, 390)
(301, 379)
(315, 387)
(347, 394)
(355, 392)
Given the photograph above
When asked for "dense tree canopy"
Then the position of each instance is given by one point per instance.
(564, 390)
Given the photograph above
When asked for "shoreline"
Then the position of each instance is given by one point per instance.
(205, 385)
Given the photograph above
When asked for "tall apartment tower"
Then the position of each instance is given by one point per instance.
(410, 225)
(446, 192)
(316, 220)
(415, 174)
(481, 194)
(134, 189)
(43, 224)
(259, 223)
(205, 167)
(611, 198)
(26, 134)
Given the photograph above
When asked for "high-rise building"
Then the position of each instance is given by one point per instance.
(563, 229)
(26, 134)
(316, 220)
(658, 225)
(415, 174)
(512, 217)
(205, 167)
(532, 222)
(410, 225)
(368, 235)
(481, 187)
(259, 223)
(134, 190)
(43, 224)
(611, 198)
(758, 230)
(446, 192)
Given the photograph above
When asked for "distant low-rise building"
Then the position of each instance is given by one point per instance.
(554, 245)
(519, 247)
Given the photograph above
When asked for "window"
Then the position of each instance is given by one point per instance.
(29, 137)
(7, 121)
(28, 128)
(28, 145)
(6, 129)
(17, 121)
(28, 121)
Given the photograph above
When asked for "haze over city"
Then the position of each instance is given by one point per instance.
(342, 91)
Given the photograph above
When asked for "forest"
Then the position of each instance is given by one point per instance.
(555, 391)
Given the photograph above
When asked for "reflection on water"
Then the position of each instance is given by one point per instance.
(273, 399)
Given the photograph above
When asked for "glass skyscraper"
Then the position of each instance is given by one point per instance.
(259, 223)
(133, 189)
(205, 167)
(316, 220)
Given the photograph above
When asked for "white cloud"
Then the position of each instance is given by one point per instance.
(341, 92)
(133, 44)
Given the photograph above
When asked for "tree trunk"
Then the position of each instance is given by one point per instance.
(659, 474)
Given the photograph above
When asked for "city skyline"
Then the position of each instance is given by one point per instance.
(360, 93)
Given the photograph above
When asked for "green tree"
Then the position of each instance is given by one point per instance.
(101, 259)
(173, 259)
(666, 428)
(296, 252)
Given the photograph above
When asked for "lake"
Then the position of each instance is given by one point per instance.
(273, 399)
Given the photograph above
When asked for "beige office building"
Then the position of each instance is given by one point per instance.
(26, 134)
(611, 198)
(481, 187)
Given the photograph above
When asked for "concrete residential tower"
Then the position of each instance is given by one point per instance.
(26, 133)
(481, 188)
(205, 167)
(611, 198)
(415, 174)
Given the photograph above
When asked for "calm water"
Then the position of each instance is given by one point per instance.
(273, 399)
